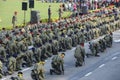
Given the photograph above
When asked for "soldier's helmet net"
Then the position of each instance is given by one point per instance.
(20, 74)
(62, 54)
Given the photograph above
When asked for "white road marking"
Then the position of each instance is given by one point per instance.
(117, 40)
(25, 69)
(114, 58)
(101, 65)
(4, 79)
(88, 74)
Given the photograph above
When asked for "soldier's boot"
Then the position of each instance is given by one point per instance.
(10, 72)
(96, 55)
(77, 64)
(49, 54)
(101, 50)
(51, 71)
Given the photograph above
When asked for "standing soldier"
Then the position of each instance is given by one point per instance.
(38, 71)
(14, 19)
(79, 55)
(60, 12)
(49, 14)
(57, 64)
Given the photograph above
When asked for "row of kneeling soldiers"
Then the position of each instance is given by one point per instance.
(25, 46)
(79, 54)
(57, 63)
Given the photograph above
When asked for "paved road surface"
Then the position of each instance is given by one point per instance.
(105, 67)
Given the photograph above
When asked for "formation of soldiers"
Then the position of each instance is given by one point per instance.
(22, 47)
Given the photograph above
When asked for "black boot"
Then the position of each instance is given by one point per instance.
(51, 71)
(97, 55)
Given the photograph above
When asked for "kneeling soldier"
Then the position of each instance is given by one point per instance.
(57, 64)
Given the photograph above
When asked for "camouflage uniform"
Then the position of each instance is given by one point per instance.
(74, 40)
(55, 47)
(49, 49)
(37, 41)
(37, 54)
(94, 47)
(11, 65)
(29, 57)
(79, 55)
(1, 66)
(3, 53)
(19, 60)
(44, 55)
(68, 42)
(57, 64)
(38, 71)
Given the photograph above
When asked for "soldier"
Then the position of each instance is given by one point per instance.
(20, 76)
(37, 54)
(29, 39)
(38, 71)
(29, 57)
(19, 60)
(62, 44)
(60, 12)
(109, 40)
(13, 48)
(68, 42)
(49, 48)
(44, 37)
(49, 13)
(1, 66)
(2, 53)
(81, 39)
(57, 64)
(37, 41)
(102, 45)
(11, 65)
(55, 47)
(94, 47)
(79, 55)
(44, 55)
(14, 19)
(22, 45)
(74, 40)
